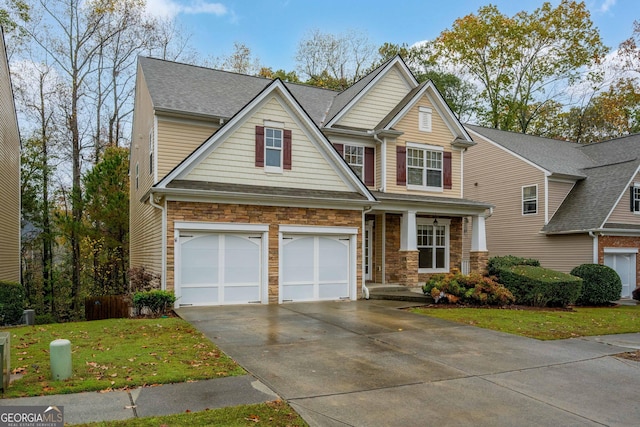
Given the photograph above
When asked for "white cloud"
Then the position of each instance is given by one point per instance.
(172, 8)
(607, 5)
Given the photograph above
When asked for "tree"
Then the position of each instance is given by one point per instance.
(107, 221)
(290, 76)
(609, 114)
(522, 61)
(334, 61)
(459, 94)
(630, 50)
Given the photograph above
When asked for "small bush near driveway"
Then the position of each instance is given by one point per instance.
(471, 289)
(601, 284)
(540, 287)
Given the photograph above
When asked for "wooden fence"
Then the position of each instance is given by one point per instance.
(106, 307)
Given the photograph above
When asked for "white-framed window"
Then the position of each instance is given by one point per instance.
(530, 199)
(433, 245)
(424, 119)
(424, 167)
(151, 146)
(635, 198)
(354, 156)
(273, 148)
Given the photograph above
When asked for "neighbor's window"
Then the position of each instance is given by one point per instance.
(432, 244)
(151, 146)
(635, 198)
(529, 200)
(137, 174)
(354, 156)
(424, 168)
(424, 119)
(273, 148)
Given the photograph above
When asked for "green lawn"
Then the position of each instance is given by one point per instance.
(275, 413)
(128, 353)
(545, 324)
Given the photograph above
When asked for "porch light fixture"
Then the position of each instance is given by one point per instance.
(435, 222)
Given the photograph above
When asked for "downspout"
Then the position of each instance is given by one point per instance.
(365, 290)
(595, 246)
(163, 278)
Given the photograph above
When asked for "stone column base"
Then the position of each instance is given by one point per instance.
(478, 262)
(408, 273)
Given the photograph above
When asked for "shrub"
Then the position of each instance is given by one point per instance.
(143, 280)
(636, 294)
(600, 284)
(473, 288)
(540, 287)
(12, 302)
(502, 262)
(156, 301)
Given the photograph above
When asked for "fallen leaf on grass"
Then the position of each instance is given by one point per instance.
(254, 418)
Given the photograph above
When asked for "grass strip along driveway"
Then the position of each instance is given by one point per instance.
(545, 324)
(127, 353)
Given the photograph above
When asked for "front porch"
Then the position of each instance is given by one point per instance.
(409, 238)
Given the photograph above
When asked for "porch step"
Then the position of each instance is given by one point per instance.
(397, 293)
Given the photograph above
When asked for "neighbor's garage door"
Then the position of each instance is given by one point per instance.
(625, 265)
(218, 268)
(315, 267)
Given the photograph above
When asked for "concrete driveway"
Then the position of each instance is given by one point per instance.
(369, 363)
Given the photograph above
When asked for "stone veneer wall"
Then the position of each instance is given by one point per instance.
(272, 215)
(393, 268)
(619, 242)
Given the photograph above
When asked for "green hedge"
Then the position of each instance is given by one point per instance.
(498, 263)
(156, 301)
(540, 287)
(601, 284)
(12, 302)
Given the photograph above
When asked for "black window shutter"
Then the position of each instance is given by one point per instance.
(631, 197)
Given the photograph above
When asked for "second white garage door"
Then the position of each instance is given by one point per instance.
(315, 267)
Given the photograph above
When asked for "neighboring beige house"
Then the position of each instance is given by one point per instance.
(562, 203)
(250, 190)
(9, 175)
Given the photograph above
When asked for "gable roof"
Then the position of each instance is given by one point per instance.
(554, 156)
(414, 95)
(278, 88)
(603, 171)
(188, 89)
(349, 97)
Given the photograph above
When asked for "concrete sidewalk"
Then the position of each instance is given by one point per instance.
(153, 401)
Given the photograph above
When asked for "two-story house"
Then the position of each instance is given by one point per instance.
(9, 175)
(245, 189)
(563, 203)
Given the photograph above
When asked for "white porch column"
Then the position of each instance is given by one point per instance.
(478, 234)
(408, 232)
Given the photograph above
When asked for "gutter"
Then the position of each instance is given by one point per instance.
(163, 277)
(365, 290)
(595, 246)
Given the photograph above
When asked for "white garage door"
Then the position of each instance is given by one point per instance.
(218, 268)
(625, 265)
(315, 267)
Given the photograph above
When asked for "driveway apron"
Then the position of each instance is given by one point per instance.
(371, 363)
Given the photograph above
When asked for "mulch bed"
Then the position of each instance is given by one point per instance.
(632, 355)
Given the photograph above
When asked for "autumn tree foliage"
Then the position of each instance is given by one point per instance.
(521, 61)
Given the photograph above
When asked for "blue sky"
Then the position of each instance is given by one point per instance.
(273, 29)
